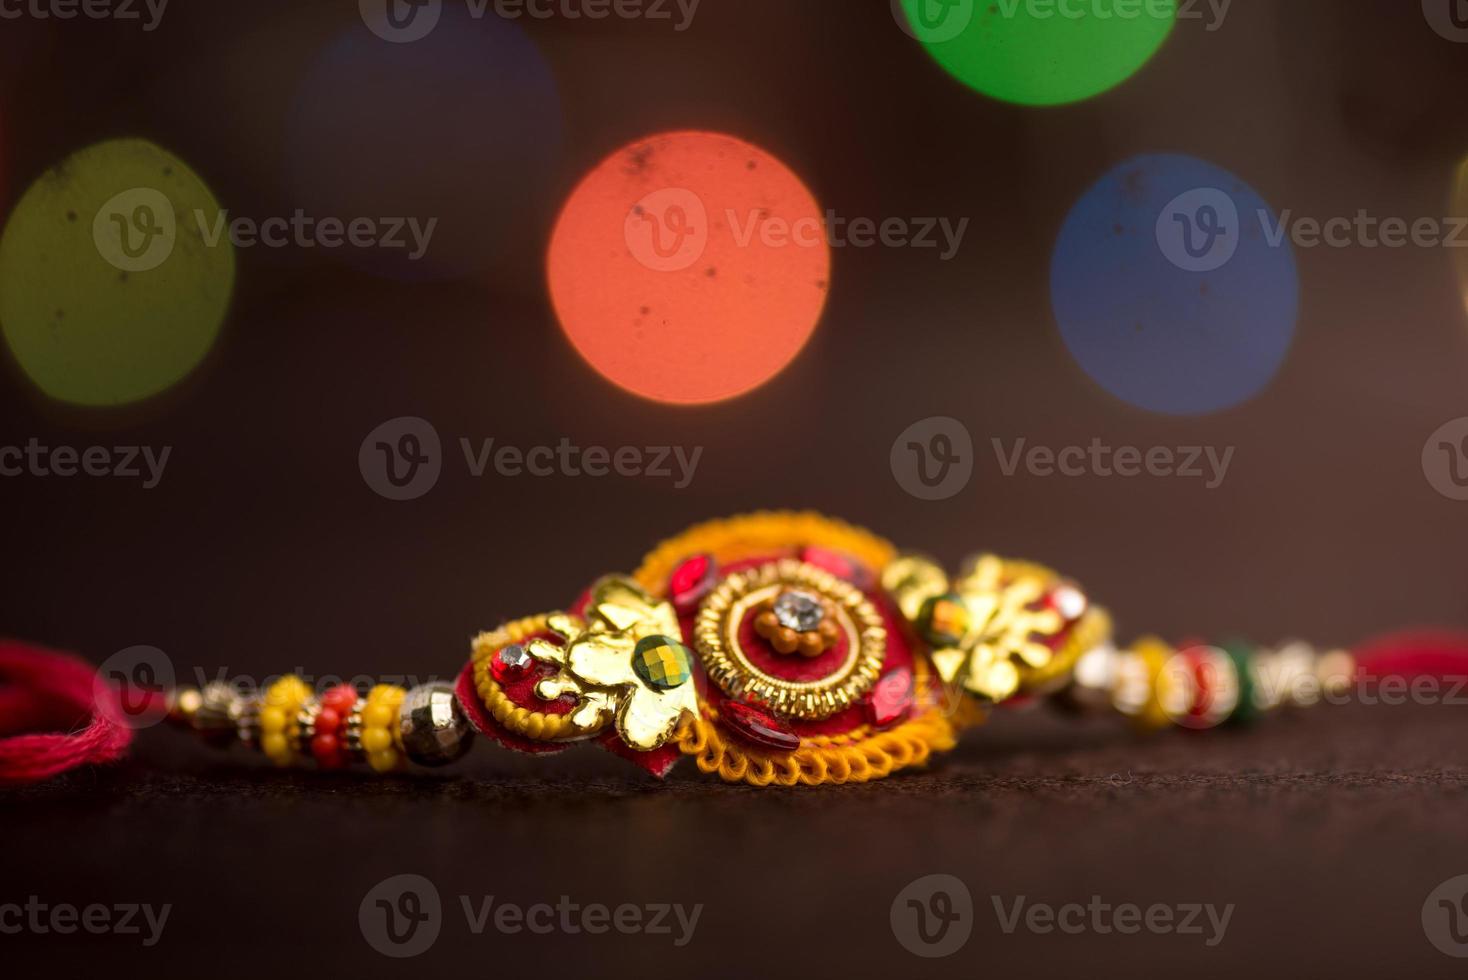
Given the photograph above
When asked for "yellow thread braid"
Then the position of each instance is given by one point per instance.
(758, 535)
(854, 757)
(909, 744)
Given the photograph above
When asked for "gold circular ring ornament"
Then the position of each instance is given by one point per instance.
(716, 636)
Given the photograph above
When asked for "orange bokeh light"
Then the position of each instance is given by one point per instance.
(689, 267)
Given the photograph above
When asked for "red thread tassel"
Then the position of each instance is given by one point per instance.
(54, 715)
(1438, 653)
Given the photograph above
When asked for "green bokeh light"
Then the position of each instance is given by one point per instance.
(111, 289)
(1041, 52)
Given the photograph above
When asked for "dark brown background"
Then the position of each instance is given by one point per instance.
(263, 550)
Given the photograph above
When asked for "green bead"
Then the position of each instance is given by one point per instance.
(1247, 710)
(662, 662)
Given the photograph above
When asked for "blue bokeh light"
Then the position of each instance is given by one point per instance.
(1173, 286)
(462, 125)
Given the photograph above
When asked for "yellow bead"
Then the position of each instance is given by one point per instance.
(378, 716)
(288, 693)
(383, 761)
(376, 740)
(272, 719)
(387, 694)
(276, 746)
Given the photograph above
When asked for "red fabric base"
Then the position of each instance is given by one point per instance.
(484, 723)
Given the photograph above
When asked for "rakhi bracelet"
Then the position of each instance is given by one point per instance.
(773, 648)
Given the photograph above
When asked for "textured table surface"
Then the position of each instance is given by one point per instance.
(1326, 832)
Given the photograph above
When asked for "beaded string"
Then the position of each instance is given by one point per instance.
(291, 726)
(55, 715)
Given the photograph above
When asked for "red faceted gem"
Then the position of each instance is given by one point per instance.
(691, 581)
(891, 698)
(759, 727)
(511, 664)
(840, 565)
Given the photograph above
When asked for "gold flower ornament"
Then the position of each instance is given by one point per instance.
(627, 665)
(989, 629)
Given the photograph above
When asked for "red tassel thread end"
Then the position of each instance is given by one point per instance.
(55, 715)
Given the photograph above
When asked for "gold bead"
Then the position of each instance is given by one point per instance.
(186, 704)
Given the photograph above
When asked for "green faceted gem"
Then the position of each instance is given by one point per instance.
(662, 662)
(944, 620)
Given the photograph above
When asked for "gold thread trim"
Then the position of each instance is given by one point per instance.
(716, 637)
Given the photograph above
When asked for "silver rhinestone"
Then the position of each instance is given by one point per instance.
(799, 611)
(515, 657)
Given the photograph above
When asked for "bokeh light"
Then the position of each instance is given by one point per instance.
(1040, 53)
(1175, 287)
(462, 125)
(111, 289)
(690, 267)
